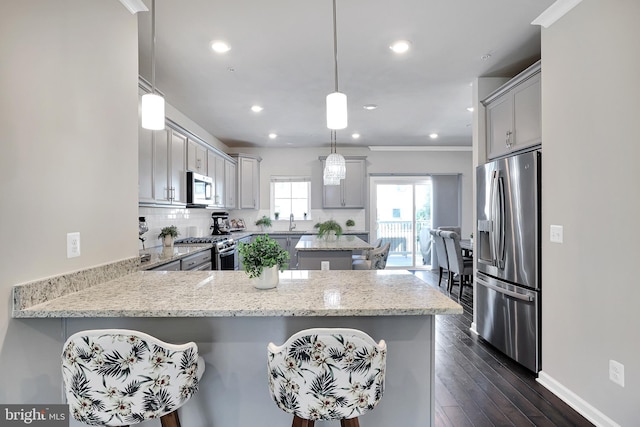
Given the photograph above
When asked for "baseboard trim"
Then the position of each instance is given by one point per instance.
(575, 401)
(473, 328)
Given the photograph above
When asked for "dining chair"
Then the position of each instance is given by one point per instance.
(377, 259)
(120, 377)
(326, 374)
(463, 267)
(365, 254)
(441, 254)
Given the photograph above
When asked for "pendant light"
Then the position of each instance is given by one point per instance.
(334, 166)
(336, 101)
(152, 103)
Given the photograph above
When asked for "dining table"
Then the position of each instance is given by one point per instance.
(467, 247)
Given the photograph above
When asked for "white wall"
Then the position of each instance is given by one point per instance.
(590, 294)
(68, 114)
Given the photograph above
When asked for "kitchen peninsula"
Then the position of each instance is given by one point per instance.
(313, 250)
(232, 322)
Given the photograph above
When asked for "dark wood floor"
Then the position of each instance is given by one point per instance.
(476, 385)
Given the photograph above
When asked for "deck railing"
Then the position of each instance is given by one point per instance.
(400, 235)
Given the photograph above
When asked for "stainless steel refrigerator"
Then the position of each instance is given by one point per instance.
(508, 256)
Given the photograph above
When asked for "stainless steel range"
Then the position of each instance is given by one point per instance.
(225, 250)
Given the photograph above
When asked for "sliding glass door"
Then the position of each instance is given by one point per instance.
(401, 216)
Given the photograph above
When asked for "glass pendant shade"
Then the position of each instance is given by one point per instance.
(336, 110)
(152, 111)
(334, 169)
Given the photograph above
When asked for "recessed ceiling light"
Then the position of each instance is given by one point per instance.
(470, 109)
(433, 135)
(273, 136)
(355, 136)
(256, 108)
(219, 46)
(401, 46)
(370, 106)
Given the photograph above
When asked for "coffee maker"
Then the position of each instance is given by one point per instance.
(220, 223)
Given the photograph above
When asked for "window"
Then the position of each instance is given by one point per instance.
(290, 195)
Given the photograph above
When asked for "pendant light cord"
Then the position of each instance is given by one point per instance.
(335, 45)
(153, 46)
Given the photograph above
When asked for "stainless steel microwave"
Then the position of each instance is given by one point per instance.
(199, 190)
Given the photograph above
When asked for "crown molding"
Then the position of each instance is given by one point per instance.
(555, 12)
(134, 6)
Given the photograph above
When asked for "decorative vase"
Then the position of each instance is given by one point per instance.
(268, 279)
(167, 241)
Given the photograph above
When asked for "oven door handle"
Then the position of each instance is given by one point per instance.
(227, 251)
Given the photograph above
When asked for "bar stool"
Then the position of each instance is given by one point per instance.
(327, 374)
(119, 377)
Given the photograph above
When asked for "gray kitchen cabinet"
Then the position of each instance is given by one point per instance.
(248, 181)
(196, 157)
(216, 172)
(170, 266)
(351, 191)
(168, 167)
(230, 179)
(288, 242)
(197, 262)
(514, 114)
(145, 165)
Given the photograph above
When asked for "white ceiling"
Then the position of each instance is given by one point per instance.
(282, 59)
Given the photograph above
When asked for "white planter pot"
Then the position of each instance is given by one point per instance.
(167, 242)
(268, 279)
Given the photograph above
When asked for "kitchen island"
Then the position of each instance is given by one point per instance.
(232, 323)
(313, 251)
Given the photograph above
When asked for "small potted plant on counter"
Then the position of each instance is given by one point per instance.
(168, 235)
(330, 230)
(262, 259)
(350, 223)
(276, 215)
(264, 222)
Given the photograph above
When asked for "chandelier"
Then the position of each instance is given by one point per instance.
(336, 101)
(334, 166)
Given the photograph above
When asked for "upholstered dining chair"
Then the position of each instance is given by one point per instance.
(462, 267)
(327, 374)
(119, 377)
(441, 254)
(377, 259)
(365, 255)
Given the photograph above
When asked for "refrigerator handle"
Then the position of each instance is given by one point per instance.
(494, 217)
(501, 225)
(503, 291)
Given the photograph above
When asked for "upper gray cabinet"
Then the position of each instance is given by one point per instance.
(350, 194)
(196, 157)
(230, 178)
(248, 181)
(514, 114)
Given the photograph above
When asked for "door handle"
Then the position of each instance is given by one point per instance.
(503, 291)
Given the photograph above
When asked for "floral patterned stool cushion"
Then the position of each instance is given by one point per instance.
(327, 374)
(118, 377)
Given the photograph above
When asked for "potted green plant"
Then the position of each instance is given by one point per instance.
(350, 223)
(330, 229)
(264, 222)
(276, 215)
(261, 259)
(168, 234)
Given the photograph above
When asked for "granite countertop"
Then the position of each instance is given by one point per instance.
(301, 232)
(343, 243)
(231, 294)
(161, 255)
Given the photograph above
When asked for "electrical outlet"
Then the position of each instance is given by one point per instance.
(616, 372)
(324, 265)
(556, 232)
(73, 245)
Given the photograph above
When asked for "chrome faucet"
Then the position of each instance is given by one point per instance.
(292, 224)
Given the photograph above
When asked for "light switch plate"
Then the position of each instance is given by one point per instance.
(556, 232)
